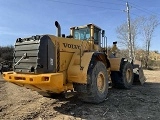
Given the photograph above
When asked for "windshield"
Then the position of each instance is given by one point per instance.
(82, 33)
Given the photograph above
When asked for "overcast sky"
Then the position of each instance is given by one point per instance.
(24, 18)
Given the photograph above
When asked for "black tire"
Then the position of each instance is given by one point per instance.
(124, 78)
(98, 89)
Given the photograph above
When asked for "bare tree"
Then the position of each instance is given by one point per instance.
(122, 32)
(148, 27)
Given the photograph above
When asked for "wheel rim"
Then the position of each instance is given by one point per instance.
(101, 82)
(129, 75)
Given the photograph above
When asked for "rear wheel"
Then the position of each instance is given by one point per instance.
(98, 89)
(124, 78)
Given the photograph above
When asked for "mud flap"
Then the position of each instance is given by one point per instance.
(139, 77)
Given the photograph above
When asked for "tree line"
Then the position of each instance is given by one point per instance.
(6, 53)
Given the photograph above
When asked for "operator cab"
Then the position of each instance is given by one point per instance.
(88, 32)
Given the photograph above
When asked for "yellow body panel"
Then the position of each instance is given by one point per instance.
(70, 44)
(69, 54)
(52, 82)
(77, 71)
(65, 58)
(115, 64)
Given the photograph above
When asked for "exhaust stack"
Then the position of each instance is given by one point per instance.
(58, 29)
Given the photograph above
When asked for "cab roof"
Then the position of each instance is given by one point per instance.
(86, 26)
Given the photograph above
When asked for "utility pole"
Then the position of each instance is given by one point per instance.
(129, 32)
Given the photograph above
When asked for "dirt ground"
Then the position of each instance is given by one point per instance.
(138, 103)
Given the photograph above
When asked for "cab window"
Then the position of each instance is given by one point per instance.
(82, 33)
(97, 36)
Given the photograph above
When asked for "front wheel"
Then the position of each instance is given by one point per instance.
(98, 89)
(124, 78)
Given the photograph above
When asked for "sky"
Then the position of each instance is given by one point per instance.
(25, 18)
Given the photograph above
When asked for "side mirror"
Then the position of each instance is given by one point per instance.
(103, 33)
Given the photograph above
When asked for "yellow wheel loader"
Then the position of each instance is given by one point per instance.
(78, 63)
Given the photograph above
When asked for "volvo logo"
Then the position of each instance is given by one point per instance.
(66, 45)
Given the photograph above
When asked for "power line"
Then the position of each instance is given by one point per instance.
(141, 8)
(146, 11)
(84, 5)
(105, 2)
(135, 14)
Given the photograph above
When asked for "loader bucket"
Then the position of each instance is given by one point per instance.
(139, 77)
